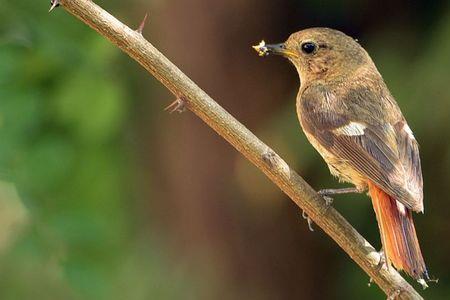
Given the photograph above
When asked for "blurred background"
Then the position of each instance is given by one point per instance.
(103, 195)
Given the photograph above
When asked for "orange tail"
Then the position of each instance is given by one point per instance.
(398, 235)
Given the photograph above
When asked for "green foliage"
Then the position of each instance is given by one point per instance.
(63, 109)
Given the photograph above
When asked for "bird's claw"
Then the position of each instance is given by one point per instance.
(328, 200)
(308, 219)
(178, 105)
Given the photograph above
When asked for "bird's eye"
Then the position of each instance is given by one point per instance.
(309, 47)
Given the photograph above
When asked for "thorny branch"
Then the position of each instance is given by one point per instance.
(271, 164)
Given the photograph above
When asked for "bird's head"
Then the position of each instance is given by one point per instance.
(319, 53)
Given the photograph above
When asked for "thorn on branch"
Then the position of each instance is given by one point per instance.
(423, 282)
(369, 284)
(53, 4)
(308, 219)
(178, 106)
(140, 29)
(434, 280)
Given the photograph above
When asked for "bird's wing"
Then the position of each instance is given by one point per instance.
(385, 153)
(408, 150)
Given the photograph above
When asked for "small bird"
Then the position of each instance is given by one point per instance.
(353, 121)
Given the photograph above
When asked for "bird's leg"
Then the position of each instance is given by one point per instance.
(382, 259)
(326, 193)
(329, 192)
(380, 264)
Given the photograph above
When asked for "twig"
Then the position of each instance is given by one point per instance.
(196, 100)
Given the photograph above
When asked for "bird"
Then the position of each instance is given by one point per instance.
(350, 117)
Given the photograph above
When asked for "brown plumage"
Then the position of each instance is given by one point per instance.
(351, 118)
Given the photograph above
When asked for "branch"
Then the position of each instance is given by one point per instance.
(137, 47)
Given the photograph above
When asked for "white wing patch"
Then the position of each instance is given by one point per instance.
(401, 208)
(351, 129)
(408, 131)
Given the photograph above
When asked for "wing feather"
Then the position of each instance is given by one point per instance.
(384, 153)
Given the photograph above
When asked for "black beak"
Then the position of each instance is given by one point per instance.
(275, 49)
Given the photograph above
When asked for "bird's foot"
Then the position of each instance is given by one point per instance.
(328, 200)
(178, 105)
(308, 219)
(326, 193)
